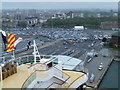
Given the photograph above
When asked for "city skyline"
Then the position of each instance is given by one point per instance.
(60, 5)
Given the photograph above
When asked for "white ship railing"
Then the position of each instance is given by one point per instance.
(22, 60)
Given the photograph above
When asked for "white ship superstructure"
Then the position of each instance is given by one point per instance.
(35, 71)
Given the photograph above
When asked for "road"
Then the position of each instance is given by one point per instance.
(93, 65)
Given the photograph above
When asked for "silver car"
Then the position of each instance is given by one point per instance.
(100, 66)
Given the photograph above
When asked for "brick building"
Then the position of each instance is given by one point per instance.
(109, 25)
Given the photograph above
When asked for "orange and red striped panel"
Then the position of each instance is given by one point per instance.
(11, 40)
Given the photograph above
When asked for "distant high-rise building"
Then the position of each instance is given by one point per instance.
(70, 14)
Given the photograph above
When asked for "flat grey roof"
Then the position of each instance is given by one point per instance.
(116, 34)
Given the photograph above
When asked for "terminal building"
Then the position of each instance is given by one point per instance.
(78, 27)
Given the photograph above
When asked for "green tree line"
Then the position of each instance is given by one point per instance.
(88, 22)
(22, 24)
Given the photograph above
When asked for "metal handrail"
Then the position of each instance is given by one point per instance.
(9, 61)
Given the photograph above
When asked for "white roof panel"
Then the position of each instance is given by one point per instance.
(68, 63)
(73, 61)
(71, 64)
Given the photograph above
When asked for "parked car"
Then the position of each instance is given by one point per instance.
(66, 47)
(92, 78)
(105, 55)
(100, 66)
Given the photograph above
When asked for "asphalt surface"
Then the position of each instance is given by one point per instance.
(93, 65)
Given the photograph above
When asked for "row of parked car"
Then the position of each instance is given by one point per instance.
(58, 33)
(100, 37)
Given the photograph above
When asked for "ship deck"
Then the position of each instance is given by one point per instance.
(18, 79)
(75, 78)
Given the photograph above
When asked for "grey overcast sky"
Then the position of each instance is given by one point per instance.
(59, 5)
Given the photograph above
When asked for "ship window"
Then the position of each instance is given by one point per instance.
(55, 61)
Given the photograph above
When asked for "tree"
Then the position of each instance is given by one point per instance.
(88, 22)
(22, 24)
